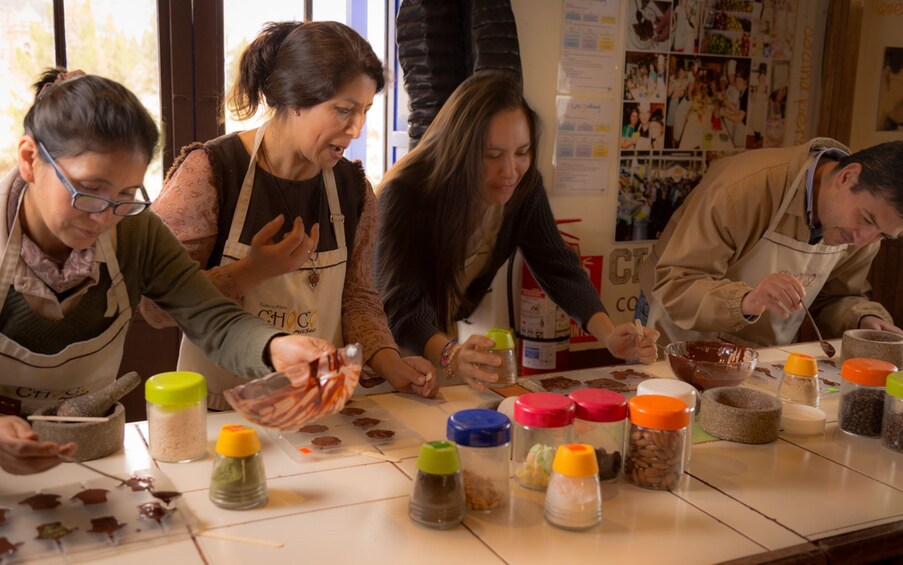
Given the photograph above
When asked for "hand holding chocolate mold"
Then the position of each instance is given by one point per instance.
(286, 400)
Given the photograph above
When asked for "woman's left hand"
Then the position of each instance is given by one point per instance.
(626, 343)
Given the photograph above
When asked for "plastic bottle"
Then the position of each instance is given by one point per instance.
(600, 421)
(675, 389)
(574, 498)
(484, 446)
(542, 422)
(504, 348)
(238, 480)
(892, 422)
(799, 381)
(655, 441)
(862, 395)
(176, 416)
(437, 499)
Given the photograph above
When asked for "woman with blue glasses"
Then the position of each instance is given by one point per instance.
(78, 254)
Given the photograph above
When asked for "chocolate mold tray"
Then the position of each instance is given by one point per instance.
(623, 379)
(91, 519)
(361, 426)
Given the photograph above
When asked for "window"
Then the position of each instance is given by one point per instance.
(121, 39)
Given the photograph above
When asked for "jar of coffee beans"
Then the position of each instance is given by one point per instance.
(862, 395)
(656, 438)
(892, 423)
(600, 420)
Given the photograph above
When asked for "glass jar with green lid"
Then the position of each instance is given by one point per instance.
(892, 422)
(504, 348)
(176, 416)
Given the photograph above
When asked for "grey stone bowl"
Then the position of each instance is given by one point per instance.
(872, 344)
(94, 439)
(740, 414)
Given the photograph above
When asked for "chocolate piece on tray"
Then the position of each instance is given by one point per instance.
(42, 501)
(365, 422)
(53, 531)
(105, 525)
(624, 374)
(91, 496)
(313, 429)
(7, 547)
(166, 496)
(558, 383)
(324, 442)
(154, 511)
(351, 411)
(379, 434)
(610, 384)
(138, 484)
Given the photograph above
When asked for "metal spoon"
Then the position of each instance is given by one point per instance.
(825, 346)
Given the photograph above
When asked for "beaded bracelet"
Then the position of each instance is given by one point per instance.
(447, 357)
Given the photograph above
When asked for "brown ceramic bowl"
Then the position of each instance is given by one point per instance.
(710, 364)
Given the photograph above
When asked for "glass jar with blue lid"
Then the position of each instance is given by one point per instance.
(484, 445)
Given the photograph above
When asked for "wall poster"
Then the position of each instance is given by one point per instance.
(702, 79)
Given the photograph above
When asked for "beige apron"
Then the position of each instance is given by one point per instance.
(288, 301)
(775, 253)
(33, 381)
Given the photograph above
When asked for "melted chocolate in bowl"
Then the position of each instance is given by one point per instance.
(710, 364)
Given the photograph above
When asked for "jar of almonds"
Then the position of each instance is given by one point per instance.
(656, 441)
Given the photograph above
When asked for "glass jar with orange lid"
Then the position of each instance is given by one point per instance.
(799, 382)
(238, 480)
(862, 395)
(656, 441)
(574, 498)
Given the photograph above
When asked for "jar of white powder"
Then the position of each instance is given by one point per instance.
(176, 416)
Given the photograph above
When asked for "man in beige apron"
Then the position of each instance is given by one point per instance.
(288, 301)
(32, 381)
(748, 220)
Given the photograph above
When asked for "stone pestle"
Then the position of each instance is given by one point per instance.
(97, 403)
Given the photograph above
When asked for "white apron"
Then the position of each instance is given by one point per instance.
(288, 302)
(775, 253)
(32, 381)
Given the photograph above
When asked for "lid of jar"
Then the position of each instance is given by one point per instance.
(802, 419)
(544, 410)
(801, 364)
(866, 372)
(599, 405)
(577, 460)
(438, 458)
(659, 412)
(236, 440)
(503, 338)
(175, 387)
(478, 427)
(895, 384)
(669, 387)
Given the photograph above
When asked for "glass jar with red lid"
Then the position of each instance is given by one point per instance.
(542, 422)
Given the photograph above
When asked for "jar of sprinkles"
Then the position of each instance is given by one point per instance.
(892, 422)
(656, 451)
(542, 422)
(862, 395)
(176, 416)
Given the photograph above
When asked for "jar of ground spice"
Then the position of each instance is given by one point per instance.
(484, 446)
(892, 422)
(542, 422)
(600, 421)
(437, 499)
(799, 382)
(238, 480)
(862, 395)
(176, 416)
(656, 441)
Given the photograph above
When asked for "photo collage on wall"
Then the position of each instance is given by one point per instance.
(702, 79)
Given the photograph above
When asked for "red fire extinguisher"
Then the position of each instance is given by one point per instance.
(545, 329)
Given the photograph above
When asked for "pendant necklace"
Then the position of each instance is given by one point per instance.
(313, 277)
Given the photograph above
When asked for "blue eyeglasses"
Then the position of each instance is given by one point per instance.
(92, 204)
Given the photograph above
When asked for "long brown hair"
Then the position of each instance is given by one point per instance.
(298, 65)
(435, 193)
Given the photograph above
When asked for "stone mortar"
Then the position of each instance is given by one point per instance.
(740, 414)
(94, 439)
(872, 344)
